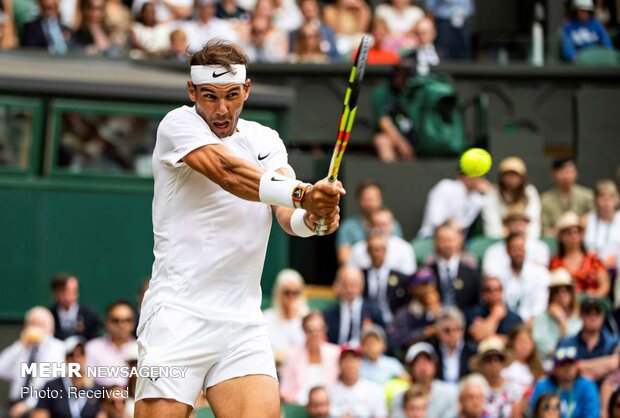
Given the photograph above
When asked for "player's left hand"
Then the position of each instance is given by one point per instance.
(328, 225)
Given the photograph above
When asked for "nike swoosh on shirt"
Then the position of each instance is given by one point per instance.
(220, 74)
(262, 157)
(275, 179)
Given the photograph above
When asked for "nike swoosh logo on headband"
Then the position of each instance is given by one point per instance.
(220, 74)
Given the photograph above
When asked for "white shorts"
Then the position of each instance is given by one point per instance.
(198, 353)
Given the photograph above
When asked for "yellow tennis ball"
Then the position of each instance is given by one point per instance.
(475, 162)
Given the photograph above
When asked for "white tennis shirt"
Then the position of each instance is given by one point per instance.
(209, 244)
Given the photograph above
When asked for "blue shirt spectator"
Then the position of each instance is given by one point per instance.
(606, 345)
(583, 31)
(384, 369)
(445, 9)
(580, 401)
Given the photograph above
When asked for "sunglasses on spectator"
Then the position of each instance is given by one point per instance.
(571, 231)
(551, 406)
(450, 330)
(116, 320)
(493, 358)
(292, 293)
(492, 289)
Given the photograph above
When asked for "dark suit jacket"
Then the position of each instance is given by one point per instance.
(466, 285)
(59, 407)
(469, 349)
(33, 35)
(370, 311)
(87, 324)
(397, 290)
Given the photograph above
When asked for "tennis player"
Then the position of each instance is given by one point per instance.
(217, 180)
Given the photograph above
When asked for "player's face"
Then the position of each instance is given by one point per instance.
(220, 105)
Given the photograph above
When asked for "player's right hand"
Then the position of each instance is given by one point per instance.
(323, 197)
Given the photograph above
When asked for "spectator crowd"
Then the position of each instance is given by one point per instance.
(297, 31)
(527, 327)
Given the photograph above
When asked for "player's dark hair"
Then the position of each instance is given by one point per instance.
(115, 304)
(365, 185)
(558, 163)
(59, 281)
(221, 53)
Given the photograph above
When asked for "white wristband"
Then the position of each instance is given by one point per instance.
(276, 189)
(298, 225)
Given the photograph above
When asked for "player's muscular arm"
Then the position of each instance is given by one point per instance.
(233, 174)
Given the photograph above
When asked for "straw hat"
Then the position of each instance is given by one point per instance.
(492, 345)
(561, 277)
(514, 164)
(568, 220)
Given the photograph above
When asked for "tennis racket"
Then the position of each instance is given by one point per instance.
(348, 114)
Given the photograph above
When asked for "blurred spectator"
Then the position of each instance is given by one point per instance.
(113, 404)
(166, 11)
(567, 196)
(490, 362)
(8, 35)
(352, 313)
(311, 13)
(286, 15)
(315, 364)
(602, 225)
(400, 16)
(458, 283)
(369, 195)
(266, 44)
(472, 392)
(376, 366)
(578, 395)
(596, 348)
(513, 192)
(131, 360)
(118, 19)
(560, 320)
(586, 268)
(71, 318)
(93, 36)
(491, 316)
(453, 37)
(462, 199)
(318, 403)
(399, 253)
(583, 30)
(425, 53)
(147, 34)
(613, 407)
(109, 350)
(525, 283)
(350, 19)
(378, 53)
(415, 402)
(178, 46)
(308, 45)
(69, 406)
(393, 138)
(289, 306)
(525, 367)
(547, 406)
(36, 344)
(229, 9)
(453, 352)
(496, 256)
(421, 360)
(204, 26)
(47, 31)
(384, 286)
(416, 321)
(352, 395)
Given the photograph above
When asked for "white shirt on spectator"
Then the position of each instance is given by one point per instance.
(399, 256)
(287, 17)
(519, 374)
(450, 199)
(528, 293)
(102, 352)
(398, 21)
(364, 399)
(50, 350)
(67, 9)
(154, 39)
(495, 210)
(284, 334)
(603, 237)
(162, 13)
(496, 256)
(198, 34)
(451, 363)
(68, 317)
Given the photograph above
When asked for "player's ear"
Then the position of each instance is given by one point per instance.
(191, 91)
(246, 89)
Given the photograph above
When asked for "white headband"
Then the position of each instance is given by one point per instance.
(214, 74)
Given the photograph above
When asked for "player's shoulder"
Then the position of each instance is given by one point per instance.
(259, 132)
(183, 113)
